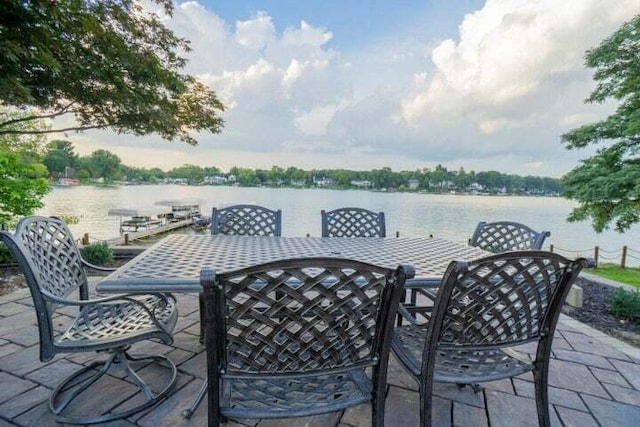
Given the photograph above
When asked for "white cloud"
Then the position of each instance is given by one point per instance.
(508, 49)
(496, 96)
(257, 32)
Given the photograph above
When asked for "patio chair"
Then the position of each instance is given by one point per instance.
(246, 220)
(293, 338)
(483, 309)
(503, 236)
(53, 268)
(352, 222)
(242, 220)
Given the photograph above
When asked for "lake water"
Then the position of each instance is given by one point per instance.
(448, 216)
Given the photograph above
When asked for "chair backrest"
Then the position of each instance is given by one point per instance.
(501, 300)
(504, 236)
(52, 265)
(353, 222)
(301, 316)
(246, 220)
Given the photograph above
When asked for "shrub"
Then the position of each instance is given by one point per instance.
(625, 304)
(97, 253)
(5, 255)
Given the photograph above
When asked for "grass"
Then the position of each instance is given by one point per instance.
(629, 275)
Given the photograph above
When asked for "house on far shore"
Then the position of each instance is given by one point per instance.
(361, 183)
(413, 184)
(322, 182)
(216, 180)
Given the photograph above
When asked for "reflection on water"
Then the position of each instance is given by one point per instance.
(449, 216)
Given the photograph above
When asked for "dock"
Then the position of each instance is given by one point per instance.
(128, 237)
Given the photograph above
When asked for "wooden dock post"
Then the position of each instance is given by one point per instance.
(596, 251)
(126, 239)
(623, 261)
(85, 239)
(551, 247)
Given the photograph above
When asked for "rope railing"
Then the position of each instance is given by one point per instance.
(598, 253)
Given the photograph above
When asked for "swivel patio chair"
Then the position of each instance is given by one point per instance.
(503, 236)
(483, 309)
(246, 220)
(54, 269)
(293, 338)
(352, 222)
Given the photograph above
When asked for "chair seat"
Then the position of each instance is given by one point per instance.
(102, 325)
(465, 365)
(278, 397)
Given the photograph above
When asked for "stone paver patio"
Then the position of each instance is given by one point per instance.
(595, 381)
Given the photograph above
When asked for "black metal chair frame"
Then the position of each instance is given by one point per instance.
(246, 220)
(353, 222)
(293, 338)
(483, 309)
(54, 269)
(503, 236)
(242, 220)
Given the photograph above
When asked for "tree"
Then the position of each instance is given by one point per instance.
(109, 63)
(22, 182)
(104, 164)
(607, 185)
(60, 155)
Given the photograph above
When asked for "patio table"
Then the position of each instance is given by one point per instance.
(174, 263)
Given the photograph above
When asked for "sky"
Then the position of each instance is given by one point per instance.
(357, 84)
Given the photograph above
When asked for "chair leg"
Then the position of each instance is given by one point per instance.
(540, 379)
(426, 403)
(202, 318)
(188, 413)
(81, 380)
(377, 404)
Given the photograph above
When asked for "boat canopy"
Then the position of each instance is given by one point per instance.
(150, 211)
(194, 201)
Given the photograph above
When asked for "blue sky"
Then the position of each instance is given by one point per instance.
(479, 84)
(356, 23)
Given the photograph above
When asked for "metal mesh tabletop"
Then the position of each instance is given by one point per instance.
(174, 263)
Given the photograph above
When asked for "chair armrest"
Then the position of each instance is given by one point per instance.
(88, 265)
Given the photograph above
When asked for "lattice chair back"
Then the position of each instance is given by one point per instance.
(353, 222)
(52, 265)
(246, 220)
(296, 319)
(501, 300)
(504, 236)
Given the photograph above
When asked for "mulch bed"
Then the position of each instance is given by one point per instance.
(595, 312)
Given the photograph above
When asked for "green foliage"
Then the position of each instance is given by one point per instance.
(625, 304)
(97, 253)
(5, 255)
(108, 63)
(60, 155)
(104, 164)
(22, 182)
(607, 185)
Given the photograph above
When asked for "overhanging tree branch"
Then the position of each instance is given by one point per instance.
(64, 110)
(41, 132)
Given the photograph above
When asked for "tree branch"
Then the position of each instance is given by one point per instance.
(64, 110)
(40, 132)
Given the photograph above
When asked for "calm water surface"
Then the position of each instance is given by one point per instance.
(452, 217)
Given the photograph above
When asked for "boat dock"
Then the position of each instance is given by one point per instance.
(128, 237)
